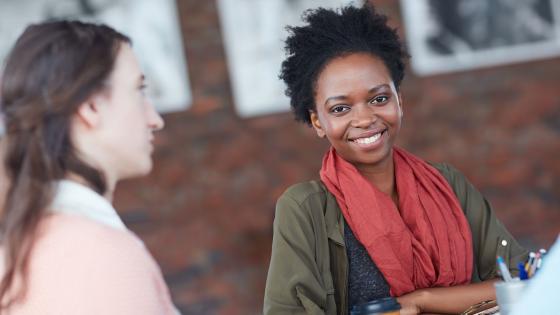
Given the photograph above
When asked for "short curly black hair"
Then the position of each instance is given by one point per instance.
(333, 33)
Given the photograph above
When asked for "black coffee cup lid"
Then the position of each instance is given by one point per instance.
(376, 306)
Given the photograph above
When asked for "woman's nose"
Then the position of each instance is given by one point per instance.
(363, 116)
(155, 121)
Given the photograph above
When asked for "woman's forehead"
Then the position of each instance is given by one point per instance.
(126, 66)
(353, 71)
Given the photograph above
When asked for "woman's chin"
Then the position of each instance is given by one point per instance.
(371, 158)
(136, 169)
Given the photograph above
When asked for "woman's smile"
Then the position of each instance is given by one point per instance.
(370, 140)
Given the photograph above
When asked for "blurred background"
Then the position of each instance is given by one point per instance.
(206, 210)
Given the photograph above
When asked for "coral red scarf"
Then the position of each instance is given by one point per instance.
(425, 242)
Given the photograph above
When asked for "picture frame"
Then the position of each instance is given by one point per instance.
(254, 32)
(446, 36)
(153, 27)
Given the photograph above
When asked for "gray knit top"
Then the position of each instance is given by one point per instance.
(365, 281)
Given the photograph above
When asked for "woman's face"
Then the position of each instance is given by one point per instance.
(358, 109)
(127, 120)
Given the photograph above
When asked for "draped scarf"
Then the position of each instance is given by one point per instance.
(424, 242)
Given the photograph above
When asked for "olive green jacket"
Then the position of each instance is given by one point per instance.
(308, 271)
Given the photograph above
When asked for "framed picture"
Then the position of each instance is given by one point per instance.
(446, 36)
(152, 25)
(254, 33)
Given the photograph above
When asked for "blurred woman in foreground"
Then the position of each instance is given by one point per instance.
(77, 122)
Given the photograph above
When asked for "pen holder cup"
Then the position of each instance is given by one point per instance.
(508, 293)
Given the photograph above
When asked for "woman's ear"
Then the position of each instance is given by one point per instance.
(88, 113)
(316, 124)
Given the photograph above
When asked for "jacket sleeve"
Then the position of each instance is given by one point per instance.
(490, 237)
(293, 285)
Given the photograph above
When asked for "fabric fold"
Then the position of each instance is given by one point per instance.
(424, 242)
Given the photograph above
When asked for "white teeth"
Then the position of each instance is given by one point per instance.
(369, 140)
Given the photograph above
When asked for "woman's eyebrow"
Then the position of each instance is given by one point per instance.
(335, 98)
(379, 88)
(373, 90)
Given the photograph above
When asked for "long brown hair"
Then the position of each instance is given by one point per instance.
(53, 68)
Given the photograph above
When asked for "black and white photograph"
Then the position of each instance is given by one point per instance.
(446, 36)
(253, 33)
(152, 25)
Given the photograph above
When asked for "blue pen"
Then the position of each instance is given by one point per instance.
(522, 272)
(503, 269)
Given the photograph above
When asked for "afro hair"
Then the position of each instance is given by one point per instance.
(328, 34)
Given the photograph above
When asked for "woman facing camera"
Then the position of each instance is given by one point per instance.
(77, 122)
(381, 221)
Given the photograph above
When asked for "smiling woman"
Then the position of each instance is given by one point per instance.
(381, 222)
(77, 122)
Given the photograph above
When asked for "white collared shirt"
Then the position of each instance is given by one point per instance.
(77, 199)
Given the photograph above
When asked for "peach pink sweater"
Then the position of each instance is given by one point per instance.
(85, 262)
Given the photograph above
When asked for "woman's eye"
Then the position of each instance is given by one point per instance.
(339, 109)
(379, 99)
(142, 88)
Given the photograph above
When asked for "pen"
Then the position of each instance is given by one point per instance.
(522, 272)
(529, 262)
(503, 269)
(534, 264)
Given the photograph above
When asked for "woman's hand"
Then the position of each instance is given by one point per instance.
(409, 310)
(411, 303)
(446, 300)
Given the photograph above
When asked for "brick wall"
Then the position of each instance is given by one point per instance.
(206, 210)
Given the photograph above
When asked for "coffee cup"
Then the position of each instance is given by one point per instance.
(384, 306)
